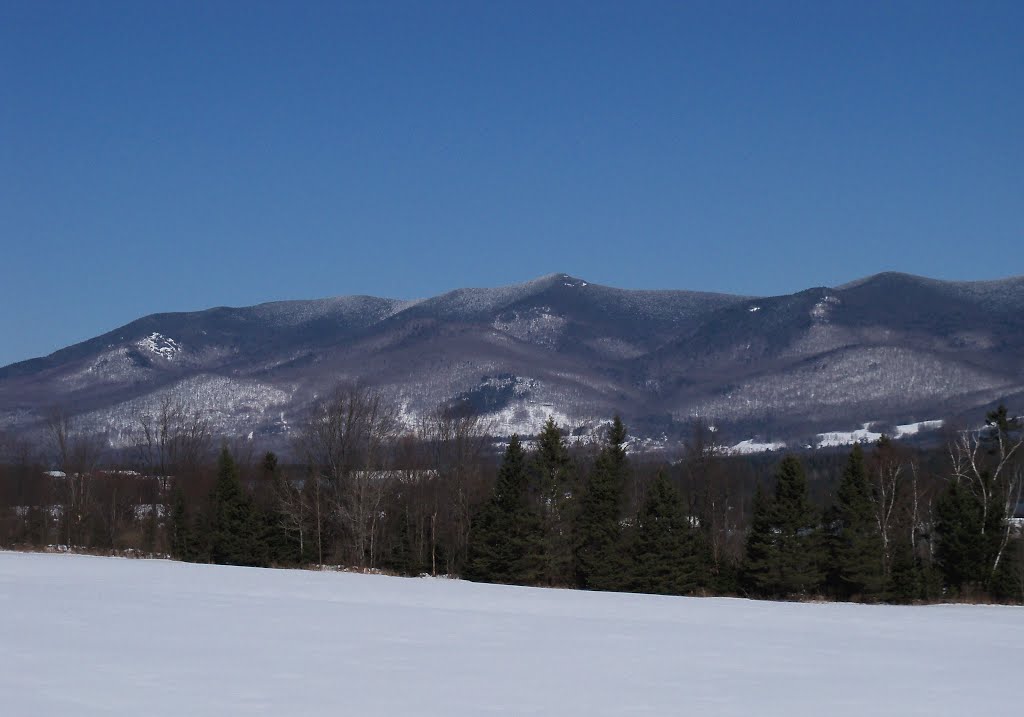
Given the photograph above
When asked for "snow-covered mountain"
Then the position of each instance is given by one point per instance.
(888, 350)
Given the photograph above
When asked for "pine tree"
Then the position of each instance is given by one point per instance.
(505, 540)
(856, 553)
(666, 553)
(232, 528)
(553, 478)
(600, 563)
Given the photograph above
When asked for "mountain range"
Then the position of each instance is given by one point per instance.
(886, 351)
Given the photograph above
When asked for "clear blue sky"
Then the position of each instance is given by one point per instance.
(163, 156)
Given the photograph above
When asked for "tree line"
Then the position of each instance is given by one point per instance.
(360, 489)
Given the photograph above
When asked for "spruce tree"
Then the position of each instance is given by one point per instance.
(666, 556)
(600, 563)
(800, 549)
(760, 564)
(553, 478)
(400, 557)
(231, 520)
(505, 539)
(274, 545)
(961, 547)
(783, 548)
(856, 554)
(907, 582)
(181, 533)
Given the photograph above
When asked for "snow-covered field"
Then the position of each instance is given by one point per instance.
(98, 636)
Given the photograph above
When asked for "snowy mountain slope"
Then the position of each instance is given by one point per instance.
(106, 636)
(891, 347)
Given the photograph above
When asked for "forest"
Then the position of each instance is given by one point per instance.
(360, 489)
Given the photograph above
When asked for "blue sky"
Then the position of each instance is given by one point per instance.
(176, 156)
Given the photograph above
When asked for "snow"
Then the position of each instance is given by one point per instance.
(752, 446)
(823, 308)
(160, 345)
(538, 325)
(831, 439)
(525, 418)
(233, 404)
(845, 379)
(912, 429)
(344, 310)
(105, 636)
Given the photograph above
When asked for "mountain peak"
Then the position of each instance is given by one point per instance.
(561, 279)
(883, 277)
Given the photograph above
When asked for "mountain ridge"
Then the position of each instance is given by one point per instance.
(880, 348)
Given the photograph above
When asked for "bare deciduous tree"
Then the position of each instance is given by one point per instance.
(887, 476)
(172, 440)
(455, 442)
(76, 454)
(713, 503)
(346, 441)
(293, 510)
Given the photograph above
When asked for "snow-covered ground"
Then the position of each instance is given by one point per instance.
(752, 446)
(831, 439)
(99, 636)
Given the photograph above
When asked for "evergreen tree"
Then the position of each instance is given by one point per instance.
(181, 534)
(149, 529)
(666, 553)
(783, 547)
(270, 465)
(273, 544)
(760, 565)
(553, 477)
(231, 521)
(856, 553)
(1006, 584)
(972, 516)
(505, 540)
(962, 545)
(600, 563)
(908, 582)
(400, 557)
(800, 549)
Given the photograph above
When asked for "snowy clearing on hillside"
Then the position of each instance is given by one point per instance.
(832, 439)
(751, 446)
(913, 429)
(106, 636)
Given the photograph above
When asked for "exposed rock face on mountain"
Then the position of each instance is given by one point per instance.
(888, 349)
